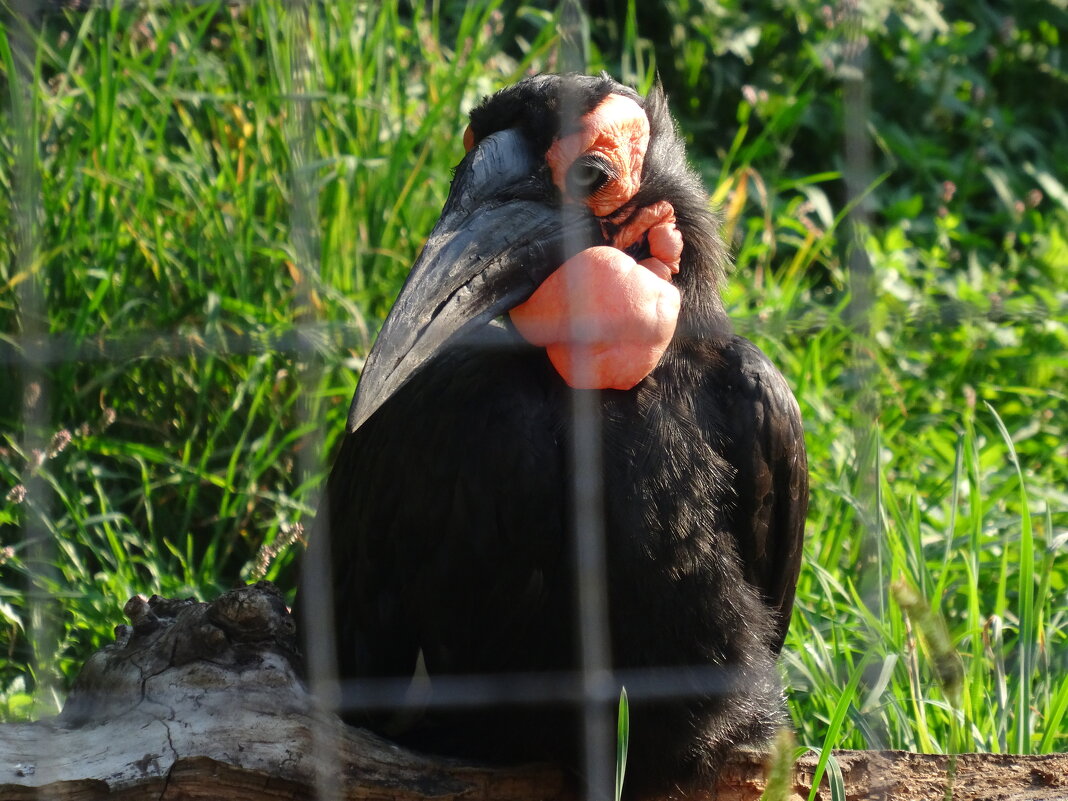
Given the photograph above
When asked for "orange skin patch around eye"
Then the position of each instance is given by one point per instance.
(618, 131)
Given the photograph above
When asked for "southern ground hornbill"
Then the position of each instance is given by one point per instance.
(576, 250)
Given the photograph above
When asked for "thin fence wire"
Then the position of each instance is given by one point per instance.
(35, 356)
(38, 539)
(587, 470)
(320, 658)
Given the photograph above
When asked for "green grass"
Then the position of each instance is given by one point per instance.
(227, 198)
(622, 741)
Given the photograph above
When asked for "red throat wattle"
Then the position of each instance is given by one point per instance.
(605, 319)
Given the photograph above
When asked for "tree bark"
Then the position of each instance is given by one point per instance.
(202, 701)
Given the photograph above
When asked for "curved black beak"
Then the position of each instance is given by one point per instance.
(496, 241)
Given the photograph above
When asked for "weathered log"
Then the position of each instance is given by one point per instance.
(199, 701)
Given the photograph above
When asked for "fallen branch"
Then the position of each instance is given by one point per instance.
(197, 701)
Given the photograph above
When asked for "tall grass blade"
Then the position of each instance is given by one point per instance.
(841, 708)
(1028, 636)
(622, 741)
(1055, 719)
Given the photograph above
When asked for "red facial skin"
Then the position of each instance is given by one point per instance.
(604, 319)
(618, 131)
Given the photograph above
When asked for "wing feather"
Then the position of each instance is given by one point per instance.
(767, 448)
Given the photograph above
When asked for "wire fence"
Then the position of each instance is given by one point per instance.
(36, 346)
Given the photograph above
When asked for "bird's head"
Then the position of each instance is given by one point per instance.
(575, 217)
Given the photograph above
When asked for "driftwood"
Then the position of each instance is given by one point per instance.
(202, 701)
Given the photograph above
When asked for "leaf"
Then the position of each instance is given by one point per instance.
(622, 740)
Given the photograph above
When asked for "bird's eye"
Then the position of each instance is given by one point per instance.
(587, 175)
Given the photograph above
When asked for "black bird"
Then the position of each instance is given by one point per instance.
(449, 511)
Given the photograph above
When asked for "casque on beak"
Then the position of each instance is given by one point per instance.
(497, 239)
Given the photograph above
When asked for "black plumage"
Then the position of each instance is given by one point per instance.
(449, 509)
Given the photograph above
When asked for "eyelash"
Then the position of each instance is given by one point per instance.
(588, 175)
